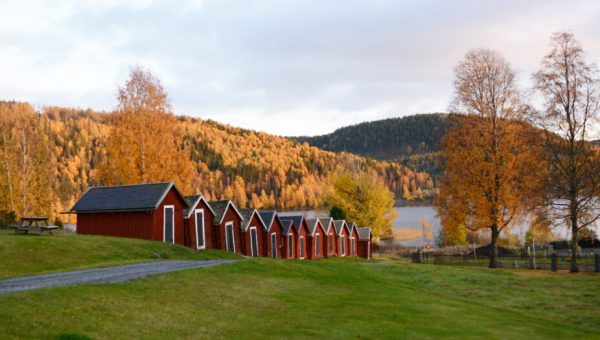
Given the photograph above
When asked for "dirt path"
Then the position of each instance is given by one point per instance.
(101, 275)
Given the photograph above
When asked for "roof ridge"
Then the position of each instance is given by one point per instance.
(130, 185)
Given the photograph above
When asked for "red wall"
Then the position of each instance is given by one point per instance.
(260, 234)
(333, 252)
(190, 227)
(275, 228)
(355, 235)
(170, 199)
(364, 249)
(131, 224)
(230, 216)
(313, 246)
(302, 233)
(346, 242)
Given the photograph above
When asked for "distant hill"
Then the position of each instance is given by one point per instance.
(412, 140)
(391, 138)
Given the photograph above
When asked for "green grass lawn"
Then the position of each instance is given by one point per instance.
(34, 254)
(339, 298)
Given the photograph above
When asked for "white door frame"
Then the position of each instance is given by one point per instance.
(201, 211)
(252, 243)
(273, 245)
(229, 223)
(172, 207)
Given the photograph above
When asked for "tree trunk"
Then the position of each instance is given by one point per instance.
(574, 240)
(494, 248)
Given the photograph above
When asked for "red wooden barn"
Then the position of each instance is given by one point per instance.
(253, 233)
(198, 219)
(301, 234)
(288, 237)
(227, 226)
(353, 239)
(329, 244)
(341, 233)
(365, 238)
(273, 230)
(151, 211)
(316, 239)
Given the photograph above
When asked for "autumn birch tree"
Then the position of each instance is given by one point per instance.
(487, 173)
(571, 89)
(145, 143)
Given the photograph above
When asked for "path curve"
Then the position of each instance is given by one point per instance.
(101, 275)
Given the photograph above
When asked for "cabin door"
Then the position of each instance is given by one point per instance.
(254, 242)
(229, 237)
(168, 224)
(274, 245)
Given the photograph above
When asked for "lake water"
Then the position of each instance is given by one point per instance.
(408, 218)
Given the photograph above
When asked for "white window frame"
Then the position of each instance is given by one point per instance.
(165, 222)
(227, 236)
(290, 242)
(251, 243)
(271, 249)
(201, 211)
(301, 247)
(342, 246)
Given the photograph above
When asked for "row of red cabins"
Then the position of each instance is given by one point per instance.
(158, 211)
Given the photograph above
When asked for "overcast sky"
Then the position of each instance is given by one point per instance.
(284, 67)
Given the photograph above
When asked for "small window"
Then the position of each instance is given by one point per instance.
(342, 246)
(317, 240)
(301, 247)
(330, 243)
(290, 246)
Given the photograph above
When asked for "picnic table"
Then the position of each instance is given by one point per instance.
(34, 224)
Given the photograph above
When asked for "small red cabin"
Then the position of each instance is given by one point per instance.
(341, 237)
(302, 234)
(198, 219)
(316, 238)
(365, 238)
(329, 244)
(288, 239)
(352, 240)
(151, 211)
(253, 233)
(227, 226)
(273, 230)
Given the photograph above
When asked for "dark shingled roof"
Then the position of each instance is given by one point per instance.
(268, 218)
(136, 197)
(351, 227)
(287, 224)
(247, 217)
(326, 223)
(364, 234)
(312, 224)
(191, 202)
(338, 225)
(219, 208)
(298, 219)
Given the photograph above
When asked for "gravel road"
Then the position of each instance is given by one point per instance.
(101, 275)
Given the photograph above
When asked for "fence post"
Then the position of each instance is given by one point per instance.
(531, 262)
(553, 262)
(515, 264)
(597, 263)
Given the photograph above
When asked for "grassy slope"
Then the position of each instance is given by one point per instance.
(32, 254)
(328, 299)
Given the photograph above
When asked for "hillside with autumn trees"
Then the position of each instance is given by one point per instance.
(49, 158)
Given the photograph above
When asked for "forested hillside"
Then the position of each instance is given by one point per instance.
(411, 140)
(391, 138)
(48, 159)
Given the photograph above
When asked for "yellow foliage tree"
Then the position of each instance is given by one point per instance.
(145, 143)
(365, 200)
